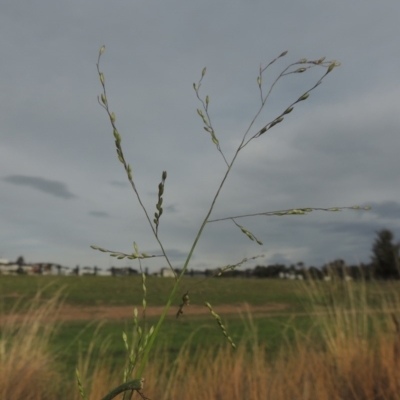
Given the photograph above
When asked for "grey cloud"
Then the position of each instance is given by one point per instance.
(118, 183)
(200, 266)
(386, 209)
(55, 188)
(354, 228)
(171, 208)
(338, 148)
(100, 214)
(278, 258)
(176, 254)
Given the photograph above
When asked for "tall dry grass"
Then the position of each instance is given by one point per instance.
(352, 352)
(27, 366)
(353, 371)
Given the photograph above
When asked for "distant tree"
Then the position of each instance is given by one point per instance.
(249, 272)
(315, 273)
(361, 271)
(335, 268)
(260, 271)
(385, 255)
(20, 262)
(271, 271)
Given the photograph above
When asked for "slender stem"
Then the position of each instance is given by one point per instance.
(243, 143)
(112, 120)
(286, 212)
(176, 285)
(136, 384)
(205, 107)
(175, 288)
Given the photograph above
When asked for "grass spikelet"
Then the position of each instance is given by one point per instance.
(159, 208)
(247, 233)
(80, 386)
(185, 302)
(120, 255)
(239, 264)
(144, 301)
(221, 325)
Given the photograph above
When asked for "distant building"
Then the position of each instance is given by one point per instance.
(165, 273)
(5, 266)
(291, 276)
(122, 271)
(11, 268)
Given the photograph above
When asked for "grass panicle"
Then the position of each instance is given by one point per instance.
(185, 302)
(120, 256)
(293, 211)
(299, 67)
(228, 268)
(159, 208)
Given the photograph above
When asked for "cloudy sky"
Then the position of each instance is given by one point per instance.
(63, 188)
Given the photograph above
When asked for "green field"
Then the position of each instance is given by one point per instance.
(311, 329)
(73, 336)
(114, 291)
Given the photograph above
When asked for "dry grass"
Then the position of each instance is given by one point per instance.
(26, 363)
(350, 370)
(354, 371)
(352, 352)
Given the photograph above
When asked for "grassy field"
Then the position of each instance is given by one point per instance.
(113, 291)
(319, 319)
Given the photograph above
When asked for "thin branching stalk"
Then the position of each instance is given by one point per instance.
(104, 103)
(291, 211)
(230, 165)
(207, 121)
(145, 343)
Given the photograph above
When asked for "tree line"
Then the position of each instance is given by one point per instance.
(384, 264)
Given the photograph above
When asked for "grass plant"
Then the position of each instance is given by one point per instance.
(341, 356)
(26, 360)
(214, 370)
(138, 356)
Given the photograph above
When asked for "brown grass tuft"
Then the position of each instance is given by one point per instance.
(26, 363)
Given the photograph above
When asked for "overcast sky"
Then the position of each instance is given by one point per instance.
(63, 189)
